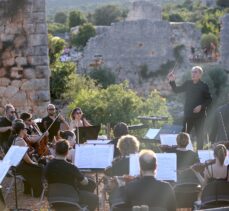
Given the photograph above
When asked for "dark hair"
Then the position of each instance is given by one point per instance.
(74, 111)
(182, 139)
(25, 116)
(18, 125)
(65, 134)
(120, 129)
(220, 152)
(147, 160)
(62, 147)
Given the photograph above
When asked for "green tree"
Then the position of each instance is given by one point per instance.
(60, 17)
(55, 28)
(56, 46)
(86, 31)
(76, 18)
(207, 40)
(106, 15)
(175, 18)
(60, 78)
(103, 76)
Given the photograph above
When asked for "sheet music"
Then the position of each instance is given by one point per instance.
(98, 141)
(134, 165)
(152, 133)
(4, 168)
(15, 155)
(205, 155)
(166, 166)
(170, 140)
(90, 156)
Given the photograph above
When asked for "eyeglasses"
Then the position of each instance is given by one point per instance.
(78, 113)
(13, 112)
(51, 109)
(30, 120)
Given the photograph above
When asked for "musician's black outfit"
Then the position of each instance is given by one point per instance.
(61, 171)
(4, 122)
(147, 190)
(53, 131)
(120, 167)
(195, 94)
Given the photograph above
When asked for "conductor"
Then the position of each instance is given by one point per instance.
(197, 99)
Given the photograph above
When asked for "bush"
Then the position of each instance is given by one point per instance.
(86, 31)
(103, 76)
(175, 18)
(60, 17)
(106, 15)
(76, 18)
(56, 28)
(207, 39)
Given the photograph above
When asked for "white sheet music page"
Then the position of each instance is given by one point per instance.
(98, 141)
(205, 155)
(152, 133)
(15, 155)
(134, 165)
(91, 156)
(166, 166)
(4, 168)
(170, 140)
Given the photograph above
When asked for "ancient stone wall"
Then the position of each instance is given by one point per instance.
(24, 71)
(224, 46)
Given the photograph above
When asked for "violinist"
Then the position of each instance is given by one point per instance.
(6, 126)
(78, 119)
(55, 120)
(27, 167)
(216, 169)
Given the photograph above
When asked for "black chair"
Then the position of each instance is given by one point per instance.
(215, 194)
(186, 194)
(63, 197)
(216, 209)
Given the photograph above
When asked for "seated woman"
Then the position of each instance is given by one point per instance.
(27, 167)
(127, 145)
(71, 138)
(78, 119)
(216, 170)
(119, 130)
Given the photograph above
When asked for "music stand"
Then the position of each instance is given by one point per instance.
(87, 133)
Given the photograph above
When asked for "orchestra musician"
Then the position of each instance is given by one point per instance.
(78, 119)
(56, 120)
(216, 169)
(127, 145)
(6, 126)
(147, 190)
(27, 167)
(119, 130)
(59, 170)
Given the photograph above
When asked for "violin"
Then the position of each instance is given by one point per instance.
(199, 167)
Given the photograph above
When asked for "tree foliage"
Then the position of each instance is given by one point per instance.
(76, 18)
(86, 31)
(207, 40)
(60, 17)
(103, 76)
(106, 15)
(117, 103)
(55, 28)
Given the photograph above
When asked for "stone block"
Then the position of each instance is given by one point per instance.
(2, 72)
(19, 41)
(10, 91)
(41, 28)
(29, 27)
(6, 54)
(40, 51)
(2, 90)
(37, 39)
(19, 99)
(43, 96)
(8, 62)
(16, 83)
(1, 44)
(38, 60)
(42, 72)
(38, 5)
(16, 72)
(4, 82)
(29, 73)
(6, 37)
(35, 84)
(20, 61)
(38, 17)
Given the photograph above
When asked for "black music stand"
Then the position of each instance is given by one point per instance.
(87, 133)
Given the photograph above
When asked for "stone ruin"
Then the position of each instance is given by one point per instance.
(224, 37)
(24, 63)
(142, 49)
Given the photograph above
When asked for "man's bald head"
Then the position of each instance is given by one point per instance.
(147, 160)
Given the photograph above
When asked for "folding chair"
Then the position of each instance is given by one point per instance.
(215, 194)
(186, 194)
(64, 197)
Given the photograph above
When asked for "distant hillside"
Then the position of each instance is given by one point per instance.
(90, 5)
